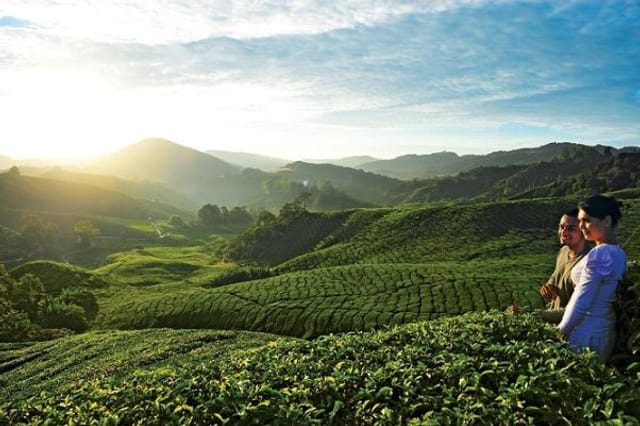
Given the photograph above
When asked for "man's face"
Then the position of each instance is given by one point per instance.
(569, 231)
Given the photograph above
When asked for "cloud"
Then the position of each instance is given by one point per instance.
(393, 68)
(181, 21)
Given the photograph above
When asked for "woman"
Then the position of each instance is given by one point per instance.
(589, 318)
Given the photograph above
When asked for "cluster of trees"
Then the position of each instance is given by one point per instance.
(212, 215)
(274, 239)
(39, 235)
(27, 312)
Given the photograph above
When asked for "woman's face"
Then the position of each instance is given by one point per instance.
(592, 228)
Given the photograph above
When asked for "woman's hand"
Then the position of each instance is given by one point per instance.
(548, 292)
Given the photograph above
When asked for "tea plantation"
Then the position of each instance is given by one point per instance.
(477, 368)
(370, 316)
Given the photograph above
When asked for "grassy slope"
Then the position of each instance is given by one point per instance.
(345, 298)
(354, 280)
(471, 369)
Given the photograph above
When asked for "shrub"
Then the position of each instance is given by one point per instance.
(64, 315)
(236, 275)
(80, 297)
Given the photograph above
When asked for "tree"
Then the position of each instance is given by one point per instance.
(37, 233)
(177, 222)
(14, 171)
(265, 217)
(85, 231)
(28, 295)
(295, 208)
(15, 323)
(240, 215)
(209, 214)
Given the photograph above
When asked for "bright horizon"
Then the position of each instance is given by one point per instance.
(317, 79)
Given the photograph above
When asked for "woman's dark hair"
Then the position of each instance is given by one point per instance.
(601, 206)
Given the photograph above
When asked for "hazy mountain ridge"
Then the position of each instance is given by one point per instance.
(449, 163)
(35, 194)
(193, 178)
(160, 160)
(247, 160)
(366, 186)
(150, 191)
(355, 161)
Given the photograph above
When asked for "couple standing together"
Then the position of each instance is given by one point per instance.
(582, 288)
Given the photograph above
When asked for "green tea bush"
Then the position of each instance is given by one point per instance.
(239, 274)
(345, 298)
(627, 348)
(479, 368)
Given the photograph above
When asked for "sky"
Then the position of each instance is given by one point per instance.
(316, 78)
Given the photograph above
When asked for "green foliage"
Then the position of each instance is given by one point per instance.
(627, 348)
(86, 231)
(212, 215)
(22, 303)
(294, 232)
(471, 369)
(36, 233)
(56, 276)
(65, 315)
(177, 222)
(239, 274)
(82, 298)
(15, 326)
(346, 298)
(28, 295)
(439, 232)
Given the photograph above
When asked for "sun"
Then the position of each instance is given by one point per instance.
(63, 115)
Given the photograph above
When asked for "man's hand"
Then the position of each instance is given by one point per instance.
(548, 292)
(513, 309)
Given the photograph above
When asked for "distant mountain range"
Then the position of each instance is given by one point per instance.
(355, 162)
(166, 172)
(449, 163)
(246, 160)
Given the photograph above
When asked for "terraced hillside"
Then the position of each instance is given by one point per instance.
(448, 232)
(345, 298)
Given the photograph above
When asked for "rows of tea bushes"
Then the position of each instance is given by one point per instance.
(160, 265)
(59, 365)
(442, 232)
(345, 298)
(479, 368)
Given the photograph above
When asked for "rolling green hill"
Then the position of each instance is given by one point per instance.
(368, 187)
(580, 172)
(150, 191)
(55, 196)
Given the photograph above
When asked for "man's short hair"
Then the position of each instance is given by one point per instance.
(571, 212)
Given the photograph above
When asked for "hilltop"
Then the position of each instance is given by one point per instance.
(450, 164)
(247, 160)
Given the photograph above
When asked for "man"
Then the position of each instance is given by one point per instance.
(558, 289)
